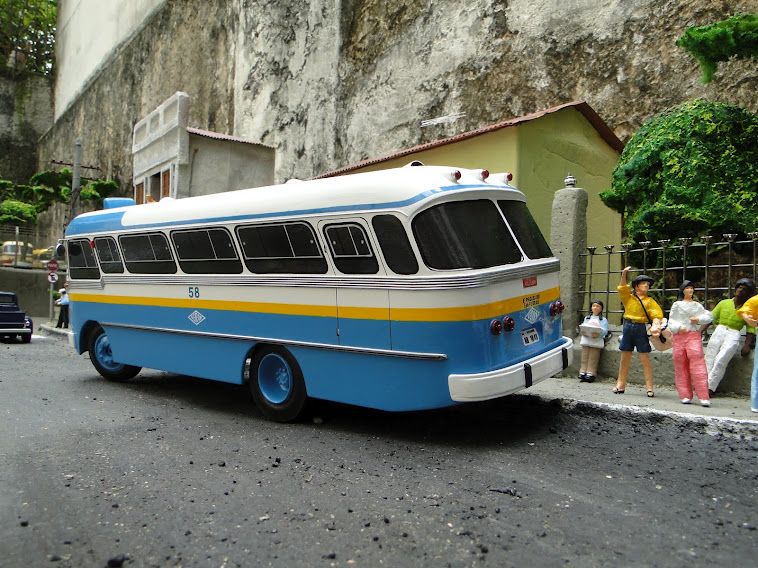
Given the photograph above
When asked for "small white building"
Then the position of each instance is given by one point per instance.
(172, 159)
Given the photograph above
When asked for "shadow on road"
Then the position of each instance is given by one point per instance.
(496, 422)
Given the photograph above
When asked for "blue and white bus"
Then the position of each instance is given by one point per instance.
(405, 289)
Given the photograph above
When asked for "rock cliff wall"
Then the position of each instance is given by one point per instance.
(26, 112)
(330, 83)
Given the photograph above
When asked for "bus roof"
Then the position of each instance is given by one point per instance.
(394, 189)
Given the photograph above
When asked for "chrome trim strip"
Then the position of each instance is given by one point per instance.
(476, 279)
(309, 345)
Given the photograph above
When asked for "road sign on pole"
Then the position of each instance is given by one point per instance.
(52, 265)
(52, 277)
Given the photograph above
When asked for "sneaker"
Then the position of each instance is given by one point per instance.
(685, 401)
(705, 402)
(754, 410)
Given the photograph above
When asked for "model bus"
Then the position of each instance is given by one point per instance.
(405, 289)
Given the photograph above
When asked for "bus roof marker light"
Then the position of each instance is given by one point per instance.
(485, 174)
(508, 177)
(456, 175)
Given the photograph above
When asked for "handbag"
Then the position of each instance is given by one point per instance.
(664, 341)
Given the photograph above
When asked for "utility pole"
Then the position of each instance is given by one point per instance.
(76, 179)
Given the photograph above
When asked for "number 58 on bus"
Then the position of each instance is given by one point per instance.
(406, 289)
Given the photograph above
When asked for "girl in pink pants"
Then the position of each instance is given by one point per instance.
(685, 320)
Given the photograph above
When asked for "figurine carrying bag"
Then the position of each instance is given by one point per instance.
(664, 341)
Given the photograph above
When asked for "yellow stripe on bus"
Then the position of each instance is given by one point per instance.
(462, 313)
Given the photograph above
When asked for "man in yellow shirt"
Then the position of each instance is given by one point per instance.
(639, 309)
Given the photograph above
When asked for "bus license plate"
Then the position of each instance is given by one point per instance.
(530, 336)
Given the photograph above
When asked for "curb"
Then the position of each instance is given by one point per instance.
(714, 425)
(52, 330)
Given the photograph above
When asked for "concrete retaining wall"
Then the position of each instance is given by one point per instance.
(736, 380)
(31, 287)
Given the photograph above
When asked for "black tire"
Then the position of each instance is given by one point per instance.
(102, 358)
(276, 384)
(26, 338)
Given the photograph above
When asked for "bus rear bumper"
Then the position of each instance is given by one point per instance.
(500, 382)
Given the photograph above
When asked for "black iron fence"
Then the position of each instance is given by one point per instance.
(712, 265)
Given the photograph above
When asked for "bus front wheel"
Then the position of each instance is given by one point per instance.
(102, 358)
(277, 385)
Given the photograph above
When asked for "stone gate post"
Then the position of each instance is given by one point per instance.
(568, 239)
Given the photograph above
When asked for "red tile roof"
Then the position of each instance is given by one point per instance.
(592, 117)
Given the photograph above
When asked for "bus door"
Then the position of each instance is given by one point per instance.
(363, 313)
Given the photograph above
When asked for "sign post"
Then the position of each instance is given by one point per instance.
(52, 277)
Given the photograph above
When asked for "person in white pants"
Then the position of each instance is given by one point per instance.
(725, 340)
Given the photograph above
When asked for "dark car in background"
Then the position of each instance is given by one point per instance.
(14, 321)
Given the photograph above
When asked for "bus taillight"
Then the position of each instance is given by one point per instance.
(557, 308)
(496, 327)
(509, 324)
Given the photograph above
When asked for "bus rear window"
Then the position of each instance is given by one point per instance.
(464, 234)
(81, 260)
(525, 228)
(206, 251)
(147, 254)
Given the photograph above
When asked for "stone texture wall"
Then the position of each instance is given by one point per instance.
(330, 83)
(26, 112)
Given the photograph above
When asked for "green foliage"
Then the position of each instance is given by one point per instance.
(14, 212)
(27, 35)
(736, 37)
(692, 170)
(21, 204)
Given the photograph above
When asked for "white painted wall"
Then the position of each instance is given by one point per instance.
(89, 31)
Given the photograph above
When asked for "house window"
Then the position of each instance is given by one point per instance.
(139, 193)
(166, 184)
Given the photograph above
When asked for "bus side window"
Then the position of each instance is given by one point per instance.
(525, 228)
(147, 254)
(395, 244)
(206, 251)
(351, 249)
(282, 248)
(107, 252)
(81, 260)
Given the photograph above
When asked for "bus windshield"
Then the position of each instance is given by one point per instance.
(464, 234)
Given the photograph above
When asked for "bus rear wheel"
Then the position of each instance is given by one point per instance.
(276, 384)
(102, 358)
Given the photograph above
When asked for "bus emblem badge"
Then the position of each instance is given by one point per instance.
(532, 315)
(196, 317)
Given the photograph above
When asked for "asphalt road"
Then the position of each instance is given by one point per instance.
(169, 470)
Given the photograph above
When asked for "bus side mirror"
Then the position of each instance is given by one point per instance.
(60, 250)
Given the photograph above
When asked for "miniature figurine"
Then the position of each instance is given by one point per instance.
(749, 313)
(594, 329)
(639, 309)
(725, 340)
(685, 319)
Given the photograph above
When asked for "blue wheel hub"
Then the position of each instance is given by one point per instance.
(275, 378)
(105, 355)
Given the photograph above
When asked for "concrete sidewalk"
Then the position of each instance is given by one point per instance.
(728, 409)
